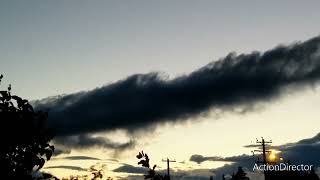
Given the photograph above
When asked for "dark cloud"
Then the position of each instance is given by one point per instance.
(234, 83)
(305, 151)
(233, 162)
(76, 168)
(84, 141)
(59, 151)
(127, 168)
(199, 158)
(258, 146)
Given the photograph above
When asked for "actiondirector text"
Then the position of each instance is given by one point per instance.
(282, 167)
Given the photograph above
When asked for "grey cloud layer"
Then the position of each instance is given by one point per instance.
(83, 141)
(79, 158)
(305, 151)
(76, 168)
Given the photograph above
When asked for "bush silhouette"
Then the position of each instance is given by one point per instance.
(24, 137)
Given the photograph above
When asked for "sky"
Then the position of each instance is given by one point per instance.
(50, 48)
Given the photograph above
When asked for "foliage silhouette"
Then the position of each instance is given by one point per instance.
(95, 173)
(145, 162)
(24, 137)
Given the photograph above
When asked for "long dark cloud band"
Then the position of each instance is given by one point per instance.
(142, 100)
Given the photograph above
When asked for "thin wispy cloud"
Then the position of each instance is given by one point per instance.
(79, 158)
(75, 168)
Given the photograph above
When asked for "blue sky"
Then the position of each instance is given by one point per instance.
(55, 47)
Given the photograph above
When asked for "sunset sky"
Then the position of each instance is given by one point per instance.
(72, 47)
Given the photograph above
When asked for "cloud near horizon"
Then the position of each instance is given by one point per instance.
(305, 151)
(77, 158)
(137, 173)
(75, 168)
(235, 83)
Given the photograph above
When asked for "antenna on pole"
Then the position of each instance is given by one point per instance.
(168, 165)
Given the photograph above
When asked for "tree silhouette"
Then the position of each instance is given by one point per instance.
(24, 137)
(240, 175)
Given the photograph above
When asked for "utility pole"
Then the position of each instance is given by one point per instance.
(168, 165)
(264, 151)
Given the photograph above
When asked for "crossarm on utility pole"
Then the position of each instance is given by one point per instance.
(168, 165)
